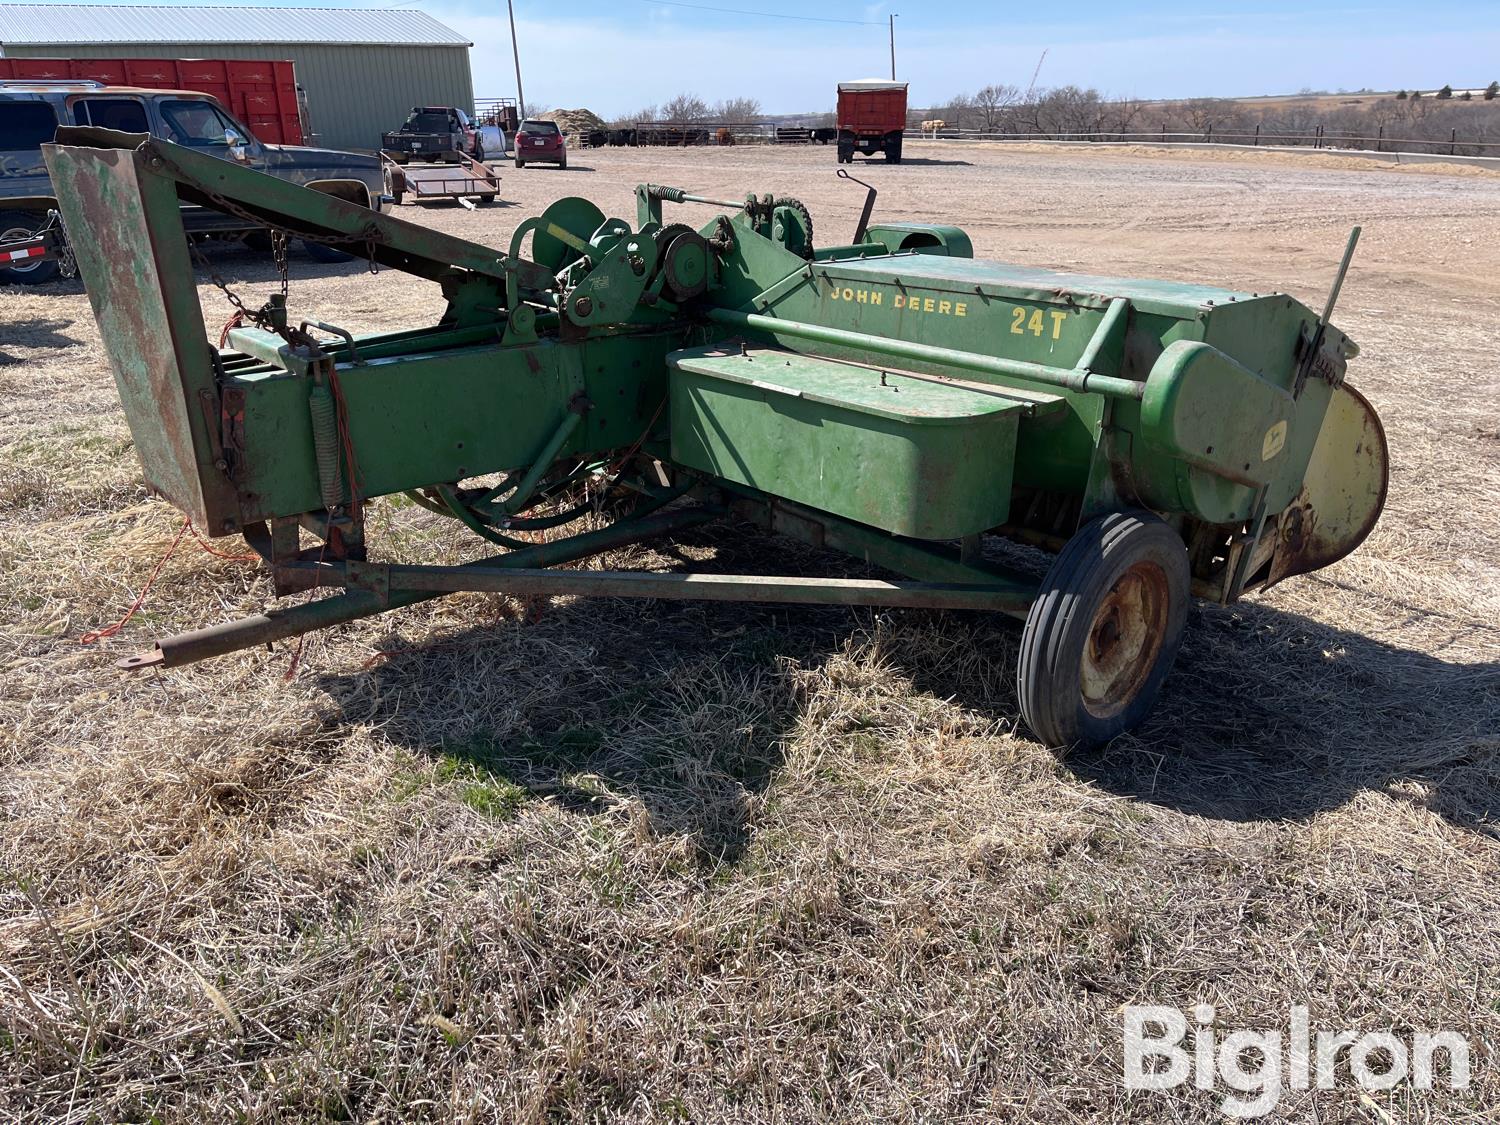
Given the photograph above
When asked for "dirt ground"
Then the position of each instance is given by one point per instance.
(619, 861)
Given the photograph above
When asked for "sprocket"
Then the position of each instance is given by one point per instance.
(683, 255)
(807, 222)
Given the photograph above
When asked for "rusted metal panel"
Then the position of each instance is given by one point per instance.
(139, 272)
(1343, 490)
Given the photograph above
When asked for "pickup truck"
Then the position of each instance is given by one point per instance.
(432, 133)
(30, 113)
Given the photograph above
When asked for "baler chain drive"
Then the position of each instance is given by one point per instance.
(892, 398)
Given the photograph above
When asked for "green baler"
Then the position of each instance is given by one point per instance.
(892, 398)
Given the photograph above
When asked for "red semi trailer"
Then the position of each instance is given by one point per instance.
(262, 94)
(871, 119)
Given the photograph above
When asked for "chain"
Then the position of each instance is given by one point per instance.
(230, 295)
(280, 238)
(278, 255)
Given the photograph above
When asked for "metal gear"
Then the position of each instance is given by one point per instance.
(673, 242)
(663, 237)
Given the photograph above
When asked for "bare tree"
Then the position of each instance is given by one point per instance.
(958, 111)
(1203, 114)
(645, 113)
(685, 108)
(737, 109)
(990, 105)
(1122, 113)
(1067, 109)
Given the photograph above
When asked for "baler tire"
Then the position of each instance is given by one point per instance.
(1121, 570)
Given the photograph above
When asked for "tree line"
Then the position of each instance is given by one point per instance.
(690, 109)
(1430, 119)
(1442, 120)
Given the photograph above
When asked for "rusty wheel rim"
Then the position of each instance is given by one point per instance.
(1124, 640)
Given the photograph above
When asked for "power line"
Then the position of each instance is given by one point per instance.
(765, 15)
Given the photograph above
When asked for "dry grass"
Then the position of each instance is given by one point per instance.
(623, 861)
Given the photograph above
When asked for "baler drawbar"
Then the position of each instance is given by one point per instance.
(892, 398)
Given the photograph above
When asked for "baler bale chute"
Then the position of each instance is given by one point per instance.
(892, 398)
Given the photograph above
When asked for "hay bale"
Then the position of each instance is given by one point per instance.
(573, 122)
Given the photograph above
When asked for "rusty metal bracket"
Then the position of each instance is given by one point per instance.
(373, 578)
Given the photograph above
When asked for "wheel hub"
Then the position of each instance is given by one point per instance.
(1124, 639)
(16, 234)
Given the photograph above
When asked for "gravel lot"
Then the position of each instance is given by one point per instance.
(620, 861)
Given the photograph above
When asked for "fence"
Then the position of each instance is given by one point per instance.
(1452, 145)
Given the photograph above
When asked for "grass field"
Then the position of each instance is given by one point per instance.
(620, 861)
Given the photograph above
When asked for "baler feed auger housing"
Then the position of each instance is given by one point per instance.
(892, 398)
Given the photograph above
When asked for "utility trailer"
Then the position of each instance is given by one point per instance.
(890, 397)
(22, 250)
(461, 181)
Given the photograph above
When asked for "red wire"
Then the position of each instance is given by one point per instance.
(621, 462)
(233, 322)
(341, 415)
(110, 630)
(202, 542)
(96, 635)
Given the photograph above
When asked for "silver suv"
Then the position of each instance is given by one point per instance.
(30, 113)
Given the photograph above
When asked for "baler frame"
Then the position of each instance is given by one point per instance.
(556, 370)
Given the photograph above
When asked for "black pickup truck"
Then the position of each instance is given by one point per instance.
(432, 133)
(30, 113)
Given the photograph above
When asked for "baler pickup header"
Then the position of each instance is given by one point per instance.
(893, 398)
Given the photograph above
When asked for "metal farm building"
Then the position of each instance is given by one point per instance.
(362, 69)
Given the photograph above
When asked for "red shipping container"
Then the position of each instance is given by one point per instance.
(261, 93)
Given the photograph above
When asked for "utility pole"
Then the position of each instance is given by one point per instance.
(516, 54)
(893, 46)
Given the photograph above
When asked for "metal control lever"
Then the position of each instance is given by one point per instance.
(864, 216)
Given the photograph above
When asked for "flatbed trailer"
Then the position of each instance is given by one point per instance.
(44, 245)
(441, 181)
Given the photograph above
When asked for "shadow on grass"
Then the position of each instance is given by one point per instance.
(1273, 716)
(38, 334)
(682, 706)
(686, 706)
(238, 263)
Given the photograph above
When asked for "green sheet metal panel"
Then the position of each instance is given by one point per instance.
(910, 455)
(960, 275)
(1018, 312)
(417, 418)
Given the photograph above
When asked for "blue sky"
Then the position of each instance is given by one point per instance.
(615, 56)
